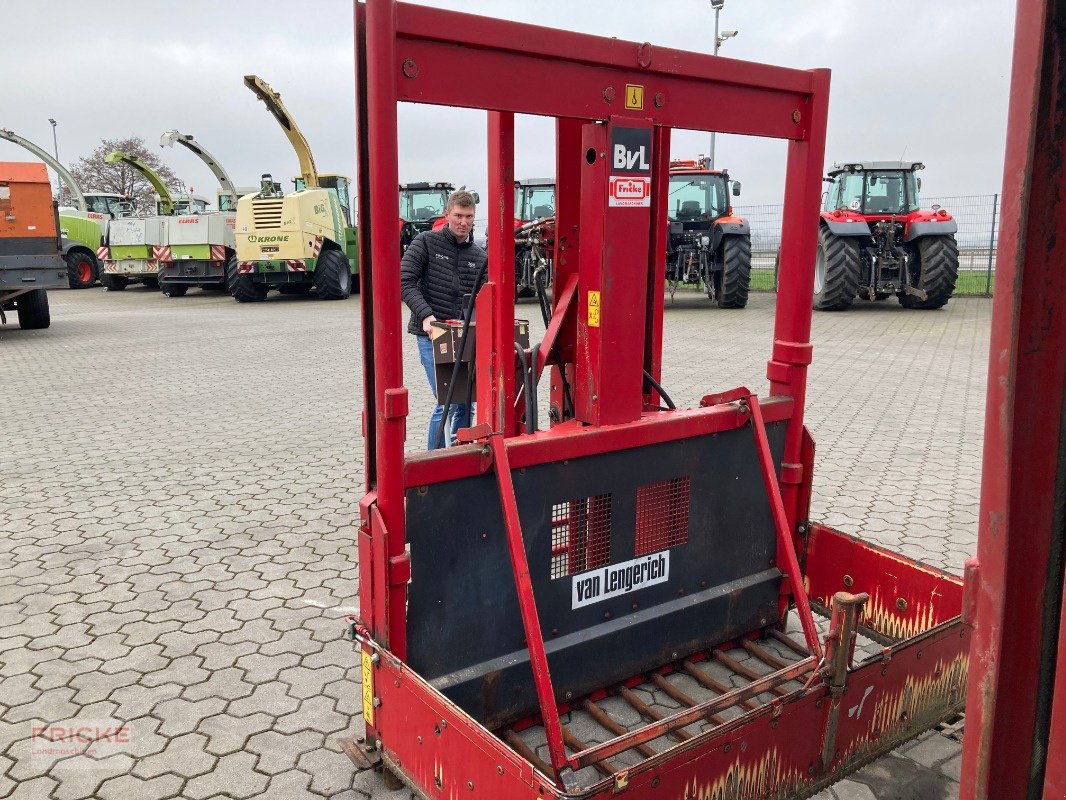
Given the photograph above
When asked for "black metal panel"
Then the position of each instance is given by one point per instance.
(464, 629)
(193, 272)
(29, 246)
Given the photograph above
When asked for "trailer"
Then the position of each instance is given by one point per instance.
(30, 260)
(535, 580)
(83, 226)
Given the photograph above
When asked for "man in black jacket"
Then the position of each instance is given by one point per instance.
(438, 268)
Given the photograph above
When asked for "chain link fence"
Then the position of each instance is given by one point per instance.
(977, 216)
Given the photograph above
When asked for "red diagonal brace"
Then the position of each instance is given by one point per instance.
(555, 324)
(527, 603)
(786, 551)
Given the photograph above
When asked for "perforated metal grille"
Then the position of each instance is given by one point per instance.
(581, 535)
(662, 515)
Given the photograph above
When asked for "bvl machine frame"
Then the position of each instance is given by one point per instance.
(521, 589)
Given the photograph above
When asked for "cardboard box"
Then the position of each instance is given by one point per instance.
(447, 340)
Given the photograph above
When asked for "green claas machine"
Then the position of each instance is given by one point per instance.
(296, 242)
(136, 244)
(84, 226)
(198, 244)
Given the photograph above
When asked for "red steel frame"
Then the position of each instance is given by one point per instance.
(1015, 744)
(412, 54)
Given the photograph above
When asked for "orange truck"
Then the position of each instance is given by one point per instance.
(30, 260)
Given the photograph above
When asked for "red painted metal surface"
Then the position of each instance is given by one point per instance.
(786, 551)
(500, 385)
(1019, 571)
(381, 308)
(528, 605)
(772, 750)
(572, 440)
(905, 598)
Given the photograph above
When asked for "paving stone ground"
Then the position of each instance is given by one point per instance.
(178, 489)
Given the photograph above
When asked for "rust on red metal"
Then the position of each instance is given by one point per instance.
(905, 599)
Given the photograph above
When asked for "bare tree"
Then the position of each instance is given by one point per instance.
(94, 173)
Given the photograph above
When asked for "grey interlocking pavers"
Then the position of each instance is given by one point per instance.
(189, 573)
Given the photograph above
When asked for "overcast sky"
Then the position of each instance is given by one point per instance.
(928, 80)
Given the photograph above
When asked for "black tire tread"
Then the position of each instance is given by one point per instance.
(938, 258)
(173, 289)
(241, 287)
(843, 269)
(736, 272)
(114, 283)
(329, 275)
(74, 258)
(33, 310)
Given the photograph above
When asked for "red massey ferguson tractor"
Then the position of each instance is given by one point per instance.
(875, 240)
(706, 242)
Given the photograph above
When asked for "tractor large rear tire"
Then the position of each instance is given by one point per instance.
(837, 271)
(33, 310)
(241, 286)
(81, 269)
(333, 276)
(934, 266)
(736, 272)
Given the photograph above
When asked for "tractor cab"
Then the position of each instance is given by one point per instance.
(874, 188)
(424, 203)
(534, 198)
(422, 208)
(184, 204)
(337, 186)
(706, 245)
(226, 201)
(698, 195)
(108, 204)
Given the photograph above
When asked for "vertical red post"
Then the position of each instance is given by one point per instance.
(787, 370)
(660, 193)
(568, 167)
(495, 336)
(1018, 586)
(615, 230)
(390, 396)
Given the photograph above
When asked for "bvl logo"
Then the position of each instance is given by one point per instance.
(630, 159)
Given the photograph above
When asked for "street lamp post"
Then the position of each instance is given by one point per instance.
(718, 39)
(55, 148)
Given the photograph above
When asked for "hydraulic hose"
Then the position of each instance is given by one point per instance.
(662, 392)
(468, 313)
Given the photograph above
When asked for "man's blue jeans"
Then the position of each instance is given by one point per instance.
(458, 415)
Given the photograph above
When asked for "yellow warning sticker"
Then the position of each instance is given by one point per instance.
(634, 96)
(594, 309)
(368, 689)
